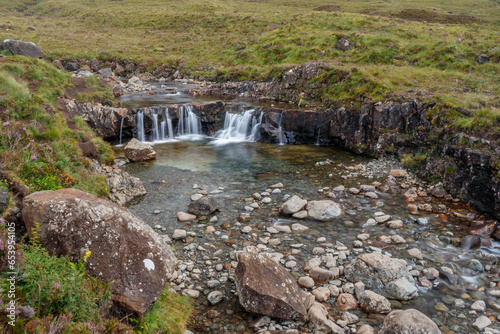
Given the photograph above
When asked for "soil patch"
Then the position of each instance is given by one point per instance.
(327, 8)
(422, 15)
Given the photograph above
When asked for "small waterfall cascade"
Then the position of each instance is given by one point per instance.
(141, 133)
(155, 133)
(242, 127)
(317, 143)
(189, 122)
(121, 130)
(281, 135)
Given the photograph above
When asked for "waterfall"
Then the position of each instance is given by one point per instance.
(238, 128)
(170, 128)
(317, 139)
(121, 129)
(163, 127)
(189, 123)
(141, 136)
(155, 133)
(281, 135)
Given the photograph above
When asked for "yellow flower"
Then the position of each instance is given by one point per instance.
(87, 254)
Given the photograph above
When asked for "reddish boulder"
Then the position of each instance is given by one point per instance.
(483, 228)
(265, 287)
(124, 251)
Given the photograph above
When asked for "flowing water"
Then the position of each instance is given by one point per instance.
(231, 168)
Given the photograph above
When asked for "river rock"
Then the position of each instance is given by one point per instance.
(138, 151)
(324, 210)
(179, 234)
(408, 321)
(124, 251)
(470, 242)
(416, 253)
(322, 293)
(293, 205)
(204, 206)
(365, 329)
(397, 223)
(306, 282)
(483, 228)
(318, 319)
(265, 287)
(382, 274)
(481, 323)
(215, 297)
(300, 215)
(372, 302)
(346, 301)
(320, 275)
(22, 48)
(185, 217)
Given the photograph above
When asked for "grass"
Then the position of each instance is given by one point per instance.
(424, 46)
(170, 314)
(36, 143)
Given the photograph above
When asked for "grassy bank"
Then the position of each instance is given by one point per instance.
(426, 47)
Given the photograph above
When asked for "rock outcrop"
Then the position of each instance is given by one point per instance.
(124, 251)
(408, 322)
(139, 151)
(382, 274)
(123, 188)
(265, 287)
(22, 48)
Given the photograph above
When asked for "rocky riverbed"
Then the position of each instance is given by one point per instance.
(452, 272)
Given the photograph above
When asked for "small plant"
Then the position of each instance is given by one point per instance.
(412, 161)
(169, 314)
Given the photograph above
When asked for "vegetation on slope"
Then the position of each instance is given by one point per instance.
(427, 47)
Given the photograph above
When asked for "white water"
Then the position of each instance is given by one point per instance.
(281, 135)
(121, 128)
(189, 127)
(141, 135)
(238, 128)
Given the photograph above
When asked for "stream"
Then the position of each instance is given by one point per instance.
(232, 166)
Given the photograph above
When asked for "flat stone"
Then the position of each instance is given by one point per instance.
(370, 222)
(299, 227)
(479, 306)
(277, 185)
(320, 275)
(371, 194)
(481, 323)
(382, 219)
(325, 210)
(196, 197)
(184, 217)
(191, 293)
(398, 172)
(293, 205)
(179, 234)
(306, 282)
(300, 215)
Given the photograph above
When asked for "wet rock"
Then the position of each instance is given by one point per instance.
(318, 318)
(339, 189)
(470, 242)
(196, 197)
(459, 303)
(422, 221)
(354, 191)
(179, 234)
(346, 301)
(398, 172)
(299, 227)
(185, 217)
(324, 210)
(448, 274)
(350, 318)
(382, 219)
(28, 49)
(481, 323)
(367, 188)
(370, 222)
(300, 215)
(312, 263)
(215, 297)
(276, 186)
(382, 274)
(408, 322)
(483, 228)
(138, 151)
(371, 195)
(191, 293)
(394, 224)
(416, 253)
(204, 206)
(372, 302)
(479, 305)
(265, 287)
(320, 275)
(124, 251)
(293, 205)
(438, 191)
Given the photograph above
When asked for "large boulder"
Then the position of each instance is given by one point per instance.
(408, 321)
(204, 206)
(383, 274)
(22, 48)
(124, 251)
(265, 287)
(293, 205)
(324, 210)
(139, 151)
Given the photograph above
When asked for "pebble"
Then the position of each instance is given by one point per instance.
(300, 215)
(370, 222)
(179, 234)
(210, 229)
(354, 191)
(415, 252)
(277, 185)
(246, 229)
(196, 197)
(458, 303)
(321, 294)
(213, 284)
(184, 217)
(306, 282)
(215, 297)
(283, 228)
(299, 227)
(266, 200)
(291, 264)
(481, 323)
(371, 194)
(192, 293)
(382, 219)
(479, 306)
(394, 224)
(276, 191)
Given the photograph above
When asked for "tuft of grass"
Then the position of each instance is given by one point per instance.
(169, 314)
(412, 161)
